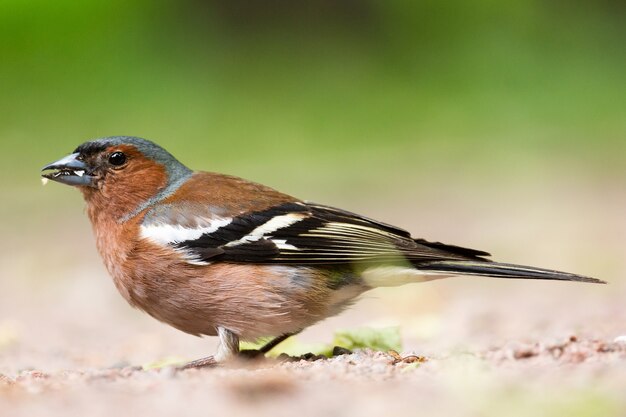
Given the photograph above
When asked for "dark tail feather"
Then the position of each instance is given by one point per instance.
(498, 270)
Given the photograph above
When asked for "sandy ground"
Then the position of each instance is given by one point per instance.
(365, 383)
(70, 346)
(569, 375)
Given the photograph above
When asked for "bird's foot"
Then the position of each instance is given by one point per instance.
(255, 354)
(250, 354)
(312, 357)
(208, 362)
(397, 358)
(309, 357)
(211, 362)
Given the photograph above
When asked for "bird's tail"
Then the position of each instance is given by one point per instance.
(500, 270)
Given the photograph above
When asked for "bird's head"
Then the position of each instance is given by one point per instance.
(126, 171)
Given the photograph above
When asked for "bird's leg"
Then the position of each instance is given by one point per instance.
(207, 362)
(228, 348)
(254, 353)
(229, 345)
(275, 342)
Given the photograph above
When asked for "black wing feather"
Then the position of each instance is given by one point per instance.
(321, 235)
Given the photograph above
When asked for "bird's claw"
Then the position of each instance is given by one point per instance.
(251, 354)
(208, 362)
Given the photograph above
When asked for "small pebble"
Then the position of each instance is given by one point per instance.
(168, 372)
(120, 365)
(6, 380)
(620, 339)
(338, 351)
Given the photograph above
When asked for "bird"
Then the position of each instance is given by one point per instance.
(217, 255)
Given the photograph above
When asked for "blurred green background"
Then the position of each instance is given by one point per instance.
(303, 91)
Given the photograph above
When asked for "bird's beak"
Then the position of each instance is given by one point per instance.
(69, 170)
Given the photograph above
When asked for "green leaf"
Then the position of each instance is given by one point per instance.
(382, 339)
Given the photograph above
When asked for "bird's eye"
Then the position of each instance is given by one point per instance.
(117, 158)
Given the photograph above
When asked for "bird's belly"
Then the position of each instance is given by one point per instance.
(250, 300)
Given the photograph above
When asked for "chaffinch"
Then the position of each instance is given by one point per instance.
(213, 254)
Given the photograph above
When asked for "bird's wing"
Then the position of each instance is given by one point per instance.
(295, 232)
